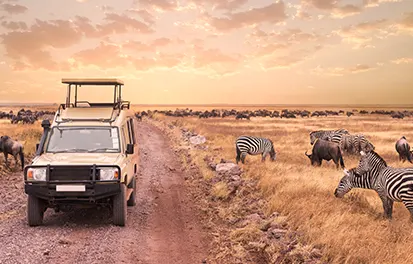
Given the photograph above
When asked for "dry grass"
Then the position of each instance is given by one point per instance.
(350, 230)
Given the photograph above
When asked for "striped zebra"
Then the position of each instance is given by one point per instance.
(254, 146)
(391, 184)
(330, 135)
(353, 144)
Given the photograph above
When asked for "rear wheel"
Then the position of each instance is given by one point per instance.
(119, 207)
(132, 197)
(35, 211)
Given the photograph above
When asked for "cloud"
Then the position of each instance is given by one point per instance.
(14, 25)
(333, 7)
(227, 5)
(361, 35)
(403, 61)
(144, 14)
(117, 24)
(31, 48)
(214, 62)
(406, 23)
(267, 43)
(303, 15)
(138, 46)
(158, 5)
(112, 57)
(340, 71)
(346, 10)
(13, 9)
(106, 8)
(375, 3)
(129, 56)
(320, 4)
(293, 58)
(272, 14)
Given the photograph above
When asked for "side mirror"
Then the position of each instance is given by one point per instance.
(37, 146)
(129, 149)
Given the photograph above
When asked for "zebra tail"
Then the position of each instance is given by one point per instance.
(22, 157)
(238, 153)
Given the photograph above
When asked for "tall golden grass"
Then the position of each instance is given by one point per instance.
(351, 229)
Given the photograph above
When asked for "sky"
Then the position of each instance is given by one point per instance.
(210, 51)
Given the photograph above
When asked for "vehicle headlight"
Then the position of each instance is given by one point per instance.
(109, 174)
(36, 174)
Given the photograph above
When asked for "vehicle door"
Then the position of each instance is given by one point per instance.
(127, 157)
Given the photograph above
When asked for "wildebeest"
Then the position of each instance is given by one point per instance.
(242, 116)
(9, 146)
(403, 148)
(325, 150)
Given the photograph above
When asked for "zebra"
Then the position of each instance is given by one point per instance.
(353, 144)
(391, 184)
(254, 146)
(330, 135)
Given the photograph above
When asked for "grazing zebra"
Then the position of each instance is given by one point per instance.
(330, 135)
(353, 144)
(254, 146)
(391, 184)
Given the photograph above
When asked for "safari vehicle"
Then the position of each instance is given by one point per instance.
(86, 157)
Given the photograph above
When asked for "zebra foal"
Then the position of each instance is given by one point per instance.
(254, 146)
(391, 184)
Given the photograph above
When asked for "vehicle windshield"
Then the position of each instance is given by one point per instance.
(83, 139)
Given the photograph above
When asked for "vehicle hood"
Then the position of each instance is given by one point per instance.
(77, 159)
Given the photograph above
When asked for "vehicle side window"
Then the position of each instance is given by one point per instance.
(125, 136)
(131, 131)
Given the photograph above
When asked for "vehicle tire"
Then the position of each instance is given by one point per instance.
(119, 207)
(132, 198)
(35, 211)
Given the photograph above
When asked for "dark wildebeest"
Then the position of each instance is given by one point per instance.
(325, 150)
(9, 146)
(403, 148)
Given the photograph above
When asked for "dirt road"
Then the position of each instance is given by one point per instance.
(162, 227)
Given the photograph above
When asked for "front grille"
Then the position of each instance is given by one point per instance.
(72, 173)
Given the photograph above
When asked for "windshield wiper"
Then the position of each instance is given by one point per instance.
(70, 150)
(101, 149)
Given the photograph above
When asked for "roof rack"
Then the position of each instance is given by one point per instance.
(117, 105)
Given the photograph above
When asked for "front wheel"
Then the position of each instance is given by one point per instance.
(119, 207)
(35, 211)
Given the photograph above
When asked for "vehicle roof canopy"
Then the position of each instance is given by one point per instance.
(93, 81)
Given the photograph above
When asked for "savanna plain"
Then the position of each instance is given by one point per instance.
(346, 230)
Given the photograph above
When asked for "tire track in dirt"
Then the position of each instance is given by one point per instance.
(162, 228)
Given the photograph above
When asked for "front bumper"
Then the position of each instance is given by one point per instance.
(74, 175)
(93, 193)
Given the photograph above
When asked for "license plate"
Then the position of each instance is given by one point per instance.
(70, 188)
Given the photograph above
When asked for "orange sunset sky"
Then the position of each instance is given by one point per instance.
(211, 51)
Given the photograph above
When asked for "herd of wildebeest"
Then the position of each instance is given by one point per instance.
(285, 113)
(391, 184)
(30, 117)
(25, 116)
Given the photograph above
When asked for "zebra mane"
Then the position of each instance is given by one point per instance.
(353, 170)
(375, 154)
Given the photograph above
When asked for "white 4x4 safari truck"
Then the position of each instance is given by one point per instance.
(86, 157)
